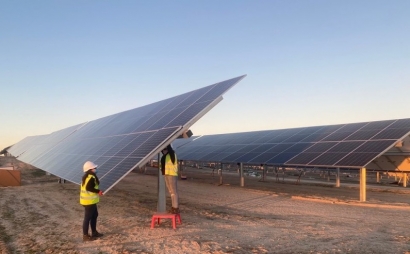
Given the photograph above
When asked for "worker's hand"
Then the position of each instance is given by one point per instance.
(100, 193)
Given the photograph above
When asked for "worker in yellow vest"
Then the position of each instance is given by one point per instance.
(89, 197)
(169, 169)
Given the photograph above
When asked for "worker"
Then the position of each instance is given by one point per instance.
(169, 169)
(89, 197)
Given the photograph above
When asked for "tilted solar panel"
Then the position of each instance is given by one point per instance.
(25, 144)
(344, 145)
(121, 142)
(47, 143)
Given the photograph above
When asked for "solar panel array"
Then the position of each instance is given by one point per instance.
(351, 145)
(121, 142)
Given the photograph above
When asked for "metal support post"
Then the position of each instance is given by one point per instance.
(241, 175)
(265, 171)
(363, 185)
(283, 176)
(161, 207)
(337, 177)
(220, 173)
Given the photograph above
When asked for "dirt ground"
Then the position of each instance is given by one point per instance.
(43, 216)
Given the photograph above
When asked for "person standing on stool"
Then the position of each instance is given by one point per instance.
(89, 197)
(169, 169)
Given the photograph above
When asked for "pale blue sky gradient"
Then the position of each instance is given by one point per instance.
(308, 62)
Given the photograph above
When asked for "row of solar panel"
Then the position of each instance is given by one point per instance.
(348, 145)
(119, 142)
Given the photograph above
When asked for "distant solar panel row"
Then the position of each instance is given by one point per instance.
(120, 142)
(343, 145)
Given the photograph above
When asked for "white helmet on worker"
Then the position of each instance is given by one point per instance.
(89, 165)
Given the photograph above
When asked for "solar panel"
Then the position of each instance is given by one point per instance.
(325, 159)
(121, 142)
(25, 144)
(342, 145)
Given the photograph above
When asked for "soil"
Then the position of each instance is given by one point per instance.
(269, 216)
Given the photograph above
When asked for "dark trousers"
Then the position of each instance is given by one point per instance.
(90, 218)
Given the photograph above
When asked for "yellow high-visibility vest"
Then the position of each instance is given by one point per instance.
(87, 197)
(171, 169)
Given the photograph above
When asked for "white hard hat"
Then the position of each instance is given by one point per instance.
(89, 165)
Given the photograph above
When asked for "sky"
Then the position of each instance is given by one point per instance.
(307, 62)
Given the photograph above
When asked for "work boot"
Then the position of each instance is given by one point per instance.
(87, 238)
(96, 234)
(175, 210)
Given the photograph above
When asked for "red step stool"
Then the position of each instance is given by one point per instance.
(159, 216)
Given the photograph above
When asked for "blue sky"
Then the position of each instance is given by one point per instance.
(307, 62)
